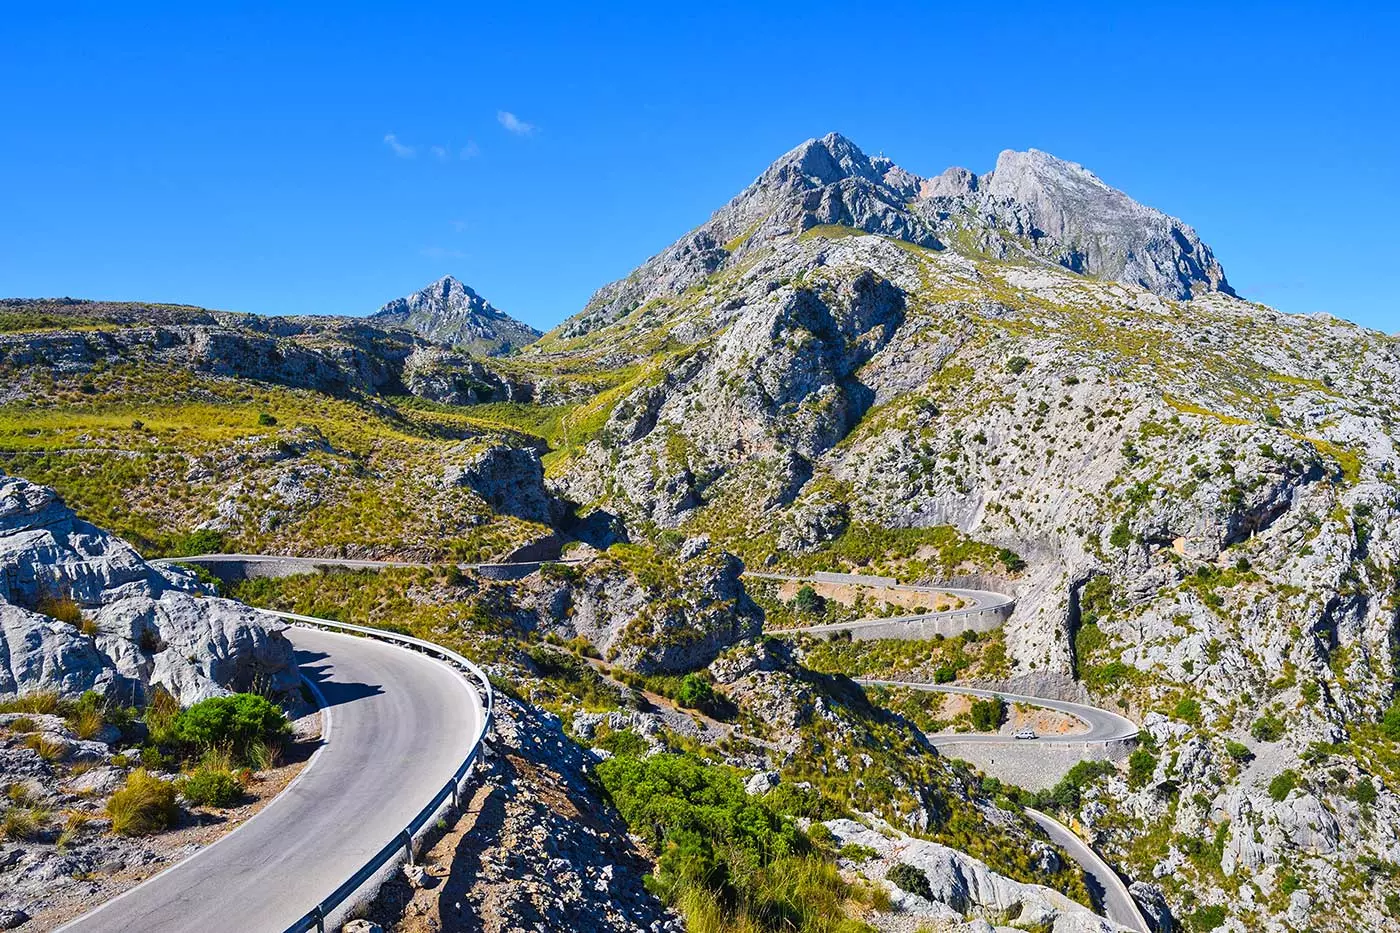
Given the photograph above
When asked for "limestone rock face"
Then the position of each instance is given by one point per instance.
(509, 479)
(450, 313)
(648, 623)
(126, 625)
(1030, 206)
(964, 889)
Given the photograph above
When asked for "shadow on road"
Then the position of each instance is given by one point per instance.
(336, 692)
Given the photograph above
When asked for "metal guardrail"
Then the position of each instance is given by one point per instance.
(401, 844)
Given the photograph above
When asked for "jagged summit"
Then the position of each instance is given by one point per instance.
(1032, 205)
(451, 313)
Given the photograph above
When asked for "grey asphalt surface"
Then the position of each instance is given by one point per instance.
(1104, 726)
(1118, 904)
(974, 601)
(400, 725)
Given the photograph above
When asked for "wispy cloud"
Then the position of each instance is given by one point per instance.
(442, 252)
(469, 151)
(439, 153)
(399, 149)
(514, 124)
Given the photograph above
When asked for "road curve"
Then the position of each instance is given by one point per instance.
(399, 726)
(1104, 726)
(974, 601)
(1118, 904)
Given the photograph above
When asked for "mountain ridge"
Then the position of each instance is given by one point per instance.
(449, 312)
(1029, 206)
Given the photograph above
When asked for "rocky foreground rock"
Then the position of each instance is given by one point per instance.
(80, 610)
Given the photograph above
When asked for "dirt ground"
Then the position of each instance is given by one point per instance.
(847, 594)
(199, 827)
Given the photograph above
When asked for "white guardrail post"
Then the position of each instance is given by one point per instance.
(402, 843)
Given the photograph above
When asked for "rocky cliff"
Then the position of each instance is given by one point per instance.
(450, 313)
(1031, 206)
(80, 610)
(1199, 491)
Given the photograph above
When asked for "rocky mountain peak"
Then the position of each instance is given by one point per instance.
(1032, 205)
(450, 312)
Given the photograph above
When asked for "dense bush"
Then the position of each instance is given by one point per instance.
(696, 693)
(908, 878)
(211, 787)
(1267, 728)
(245, 724)
(808, 601)
(145, 805)
(729, 861)
(1141, 764)
(1283, 783)
(1390, 722)
(1238, 750)
(204, 541)
(988, 715)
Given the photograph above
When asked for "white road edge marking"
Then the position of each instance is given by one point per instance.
(326, 720)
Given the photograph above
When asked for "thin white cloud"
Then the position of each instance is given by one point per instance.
(439, 153)
(399, 149)
(469, 151)
(514, 124)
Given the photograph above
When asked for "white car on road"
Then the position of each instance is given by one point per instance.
(1026, 734)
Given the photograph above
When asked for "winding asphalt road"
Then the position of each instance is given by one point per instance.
(1104, 726)
(974, 602)
(399, 725)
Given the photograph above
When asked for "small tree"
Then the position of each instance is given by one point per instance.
(696, 693)
(1267, 728)
(808, 601)
(1141, 764)
(988, 715)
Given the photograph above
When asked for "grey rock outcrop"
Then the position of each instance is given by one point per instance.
(509, 479)
(450, 313)
(126, 625)
(964, 889)
(1030, 206)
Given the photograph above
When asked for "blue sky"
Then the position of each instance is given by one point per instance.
(327, 159)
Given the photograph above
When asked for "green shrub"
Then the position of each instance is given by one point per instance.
(1267, 728)
(1141, 765)
(988, 715)
(1188, 709)
(696, 693)
(145, 805)
(622, 742)
(1238, 750)
(266, 420)
(240, 723)
(808, 601)
(1390, 722)
(1017, 365)
(944, 674)
(1364, 792)
(1283, 783)
(856, 852)
(1207, 918)
(708, 832)
(908, 878)
(203, 541)
(211, 787)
